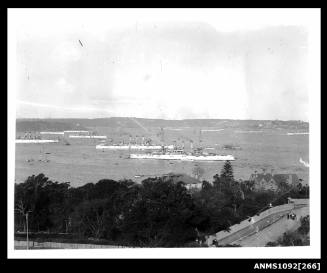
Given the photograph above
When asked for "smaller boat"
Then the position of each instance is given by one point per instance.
(93, 137)
(306, 164)
(25, 141)
(293, 134)
(132, 147)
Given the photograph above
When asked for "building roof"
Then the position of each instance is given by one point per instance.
(291, 178)
(266, 177)
(182, 177)
(288, 178)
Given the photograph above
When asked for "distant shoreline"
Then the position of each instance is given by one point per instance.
(164, 119)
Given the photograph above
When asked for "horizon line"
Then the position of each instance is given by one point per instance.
(244, 119)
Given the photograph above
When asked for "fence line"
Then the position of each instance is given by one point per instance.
(34, 244)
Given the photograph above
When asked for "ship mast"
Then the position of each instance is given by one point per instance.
(129, 144)
(162, 139)
(162, 136)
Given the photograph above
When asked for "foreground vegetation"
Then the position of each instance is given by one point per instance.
(299, 237)
(156, 213)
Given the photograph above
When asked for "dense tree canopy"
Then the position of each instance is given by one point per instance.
(157, 212)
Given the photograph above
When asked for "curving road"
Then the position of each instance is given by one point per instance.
(265, 227)
(271, 232)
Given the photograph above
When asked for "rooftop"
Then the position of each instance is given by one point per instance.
(182, 177)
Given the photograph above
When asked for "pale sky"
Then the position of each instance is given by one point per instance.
(171, 64)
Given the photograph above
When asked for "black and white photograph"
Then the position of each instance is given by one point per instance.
(174, 133)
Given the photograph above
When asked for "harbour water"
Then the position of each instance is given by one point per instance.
(81, 163)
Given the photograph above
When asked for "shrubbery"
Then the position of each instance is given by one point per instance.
(299, 237)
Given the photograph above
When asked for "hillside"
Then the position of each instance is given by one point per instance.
(45, 125)
(122, 122)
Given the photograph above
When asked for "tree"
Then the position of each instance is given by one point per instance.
(59, 204)
(305, 225)
(237, 195)
(198, 172)
(45, 198)
(155, 213)
(283, 186)
(247, 186)
(272, 244)
(89, 218)
(163, 215)
(227, 172)
(217, 182)
(298, 237)
(299, 186)
(290, 239)
(206, 185)
(100, 209)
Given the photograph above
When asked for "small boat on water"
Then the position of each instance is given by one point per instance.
(132, 147)
(95, 137)
(52, 133)
(212, 130)
(25, 141)
(231, 147)
(301, 133)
